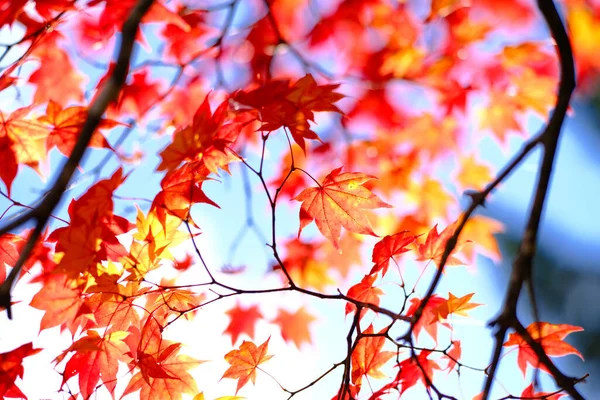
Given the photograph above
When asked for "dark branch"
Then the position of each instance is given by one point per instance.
(523, 264)
(108, 94)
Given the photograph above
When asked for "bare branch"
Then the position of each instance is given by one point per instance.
(108, 94)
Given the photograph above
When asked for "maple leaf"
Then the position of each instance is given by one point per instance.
(365, 292)
(136, 97)
(21, 142)
(62, 301)
(472, 174)
(174, 300)
(480, 231)
(453, 355)
(338, 202)
(89, 237)
(181, 188)
(11, 11)
(411, 373)
(350, 255)
(435, 244)
(170, 386)
(184, 39)
(185, 264)
(429, 134)
(163, 372)
(585, 31)
(11, 368)
(430, 197)
(111, 310)
(263, 39)
(499, 115)
(95, 357)
(67, 124)
(388, 247)
(441, 8)
(159, 235)
(277, 104)
(530, 393)
(207, 139)
(367, 357)
(294, 326)
(242, 320)
(428, 317)
(244, 362)
(454, 305)
(52, 86)
(375, 106)
(8, 253)
(304, 268)
(550, 337)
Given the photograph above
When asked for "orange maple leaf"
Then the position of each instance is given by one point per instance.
(367, 357)
(245, 361)
(480, 231)
(550, 336)
(454, 305)
(499, 114)
(67, 124)
(472, 174)
(11, 368)
(62, 301)
(304, 267)
(435, 244)
(111, 310)
(348, 255)
(340, 201)
(21, 142)
(294, 326)
(242, 321)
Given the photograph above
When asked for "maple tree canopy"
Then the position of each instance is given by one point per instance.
(160, 137)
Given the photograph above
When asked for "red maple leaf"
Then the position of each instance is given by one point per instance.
(388, 247)
(278, 104)
(242, 320)
(427, 320)
(95, 357)
(365, 292)
(11, 368)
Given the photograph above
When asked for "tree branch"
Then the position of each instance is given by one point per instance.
(523, 264)
(108, 94)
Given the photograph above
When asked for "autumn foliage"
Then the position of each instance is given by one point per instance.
(364, 117)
